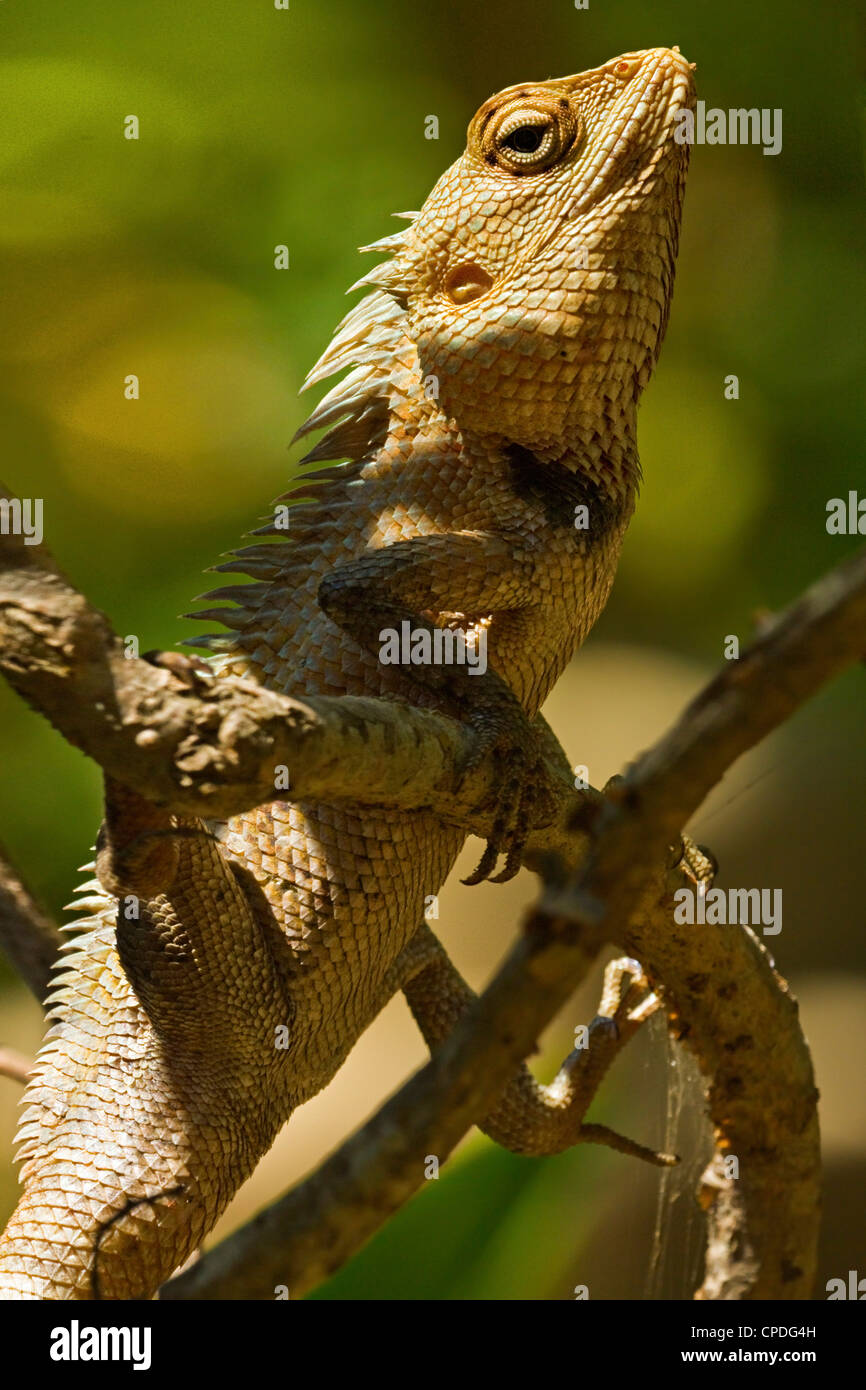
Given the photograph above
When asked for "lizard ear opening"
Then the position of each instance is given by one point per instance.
(467, 282)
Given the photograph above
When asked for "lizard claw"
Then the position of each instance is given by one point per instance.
(523, 799)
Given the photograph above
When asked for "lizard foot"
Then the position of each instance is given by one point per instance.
(627, 1001)
(540, 1120)
(524, 797)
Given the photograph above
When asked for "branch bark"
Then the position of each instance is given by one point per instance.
(724, 999)
(209, 747)
(202, 746)
(15, 1065)
(28, 936)
(309, 1233)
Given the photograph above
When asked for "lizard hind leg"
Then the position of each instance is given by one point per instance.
(531, 1118)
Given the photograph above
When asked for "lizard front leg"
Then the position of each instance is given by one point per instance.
(415, 581)
(531, 1118)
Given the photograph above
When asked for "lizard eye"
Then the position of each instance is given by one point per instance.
(525, 139)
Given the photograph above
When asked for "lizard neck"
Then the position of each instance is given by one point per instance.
(600, 455)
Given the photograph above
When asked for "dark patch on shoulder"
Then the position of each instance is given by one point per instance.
(558, 490)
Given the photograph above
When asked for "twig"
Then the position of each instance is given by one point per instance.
(27, 934)
(15, 1065)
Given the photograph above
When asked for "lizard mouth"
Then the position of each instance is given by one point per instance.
(631, 106)
(636, 127)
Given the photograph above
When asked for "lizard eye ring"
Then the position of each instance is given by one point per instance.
(526, 137)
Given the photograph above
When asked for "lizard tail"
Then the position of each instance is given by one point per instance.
(129, 1155)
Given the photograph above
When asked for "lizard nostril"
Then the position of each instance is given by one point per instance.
(626, 67)
(466, 282)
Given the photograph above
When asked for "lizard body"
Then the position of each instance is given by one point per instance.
(494, 374)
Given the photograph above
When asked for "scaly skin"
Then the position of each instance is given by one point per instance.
(497, 367)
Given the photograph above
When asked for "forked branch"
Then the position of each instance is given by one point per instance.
(209, 747)
(723, 997)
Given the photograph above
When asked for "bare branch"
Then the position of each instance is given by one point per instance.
(15, 1065)
(803, 648)
(27, 934)
(731, 1008)
(720, 987)
(210, 747)
(309, 1233)
(736, 1014)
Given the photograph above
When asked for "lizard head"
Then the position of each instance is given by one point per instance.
(538, 274)
(528, 298)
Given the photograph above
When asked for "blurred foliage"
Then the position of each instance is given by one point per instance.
(502, 1225)
(261, 126)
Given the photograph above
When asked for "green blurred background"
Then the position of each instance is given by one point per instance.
(261, 126)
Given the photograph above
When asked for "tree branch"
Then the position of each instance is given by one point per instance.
(726, 1000)
(309, 1233)
(210, 746)
(28, 936)
(15, 1065)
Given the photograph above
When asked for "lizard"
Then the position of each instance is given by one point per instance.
(493, 372)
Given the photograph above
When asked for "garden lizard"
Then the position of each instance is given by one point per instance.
(486, 469)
